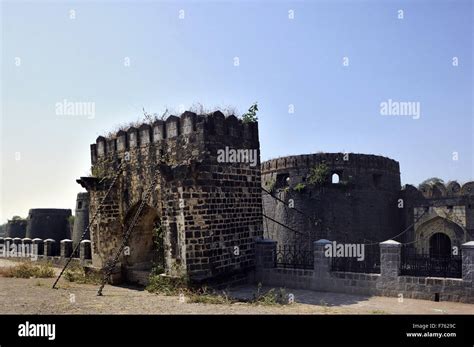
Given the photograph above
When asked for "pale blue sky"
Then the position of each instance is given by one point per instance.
(183, 61)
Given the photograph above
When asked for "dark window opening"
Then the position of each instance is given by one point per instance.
(282, 180)
(377, 178)
(79, 205)
(440, 246)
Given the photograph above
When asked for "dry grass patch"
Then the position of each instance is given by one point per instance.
(28, 270)
(271, 297)
(76, 273)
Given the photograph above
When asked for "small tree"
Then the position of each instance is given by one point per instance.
(251, 115)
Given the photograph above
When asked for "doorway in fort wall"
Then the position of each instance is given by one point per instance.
(145, 247)
(440, 245)
(439, 237)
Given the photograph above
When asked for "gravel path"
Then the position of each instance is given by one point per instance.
(35, 296)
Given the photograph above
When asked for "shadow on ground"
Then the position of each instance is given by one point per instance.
(247, 292)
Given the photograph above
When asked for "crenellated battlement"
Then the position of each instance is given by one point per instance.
(332, 160)
(162, 131)
(354, 198)
(440, 190)
(196, 191)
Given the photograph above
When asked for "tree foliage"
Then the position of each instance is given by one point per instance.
(251, 115)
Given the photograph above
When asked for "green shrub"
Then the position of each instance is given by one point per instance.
(71, 219)
(76, 273)
(45, 270)
(173, 286)
(23, 270)
(318, 174)
(270, 185)
(299, 187)
(166, 285)
(271, 297)
(209, 298)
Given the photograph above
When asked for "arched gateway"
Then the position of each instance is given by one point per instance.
(440, 245)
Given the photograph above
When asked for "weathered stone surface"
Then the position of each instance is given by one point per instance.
(209, 211)
(362, 206)
(16, 228)
(265, 253)
(47, 223)
(81, 218)
(468, 261)
(65, 248)
(85, 250)
(388, 283)
(50, 248)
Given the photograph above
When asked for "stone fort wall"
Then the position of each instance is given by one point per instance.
(389, 282)
(16, 228)
(209, 212)
(41, 223)
(48, 223)
(362, 207)
(439, 207)
(81, 220)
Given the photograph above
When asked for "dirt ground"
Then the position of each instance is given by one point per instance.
(35, 296)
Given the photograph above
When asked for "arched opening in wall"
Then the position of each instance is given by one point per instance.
(282, 180)
(145, 239)
(335, 178)
(427, 236)
(440, 245)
